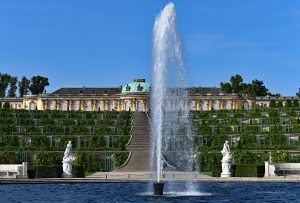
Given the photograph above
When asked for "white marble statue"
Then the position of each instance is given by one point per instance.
(67, 161)
(226, 160)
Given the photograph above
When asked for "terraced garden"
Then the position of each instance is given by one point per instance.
(40, 137)
(254, 135)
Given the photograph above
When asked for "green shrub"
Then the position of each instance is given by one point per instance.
(245, 157)
(78, 171)
(10, 142)
(249, 171)
(40, 142)
(46, 158)
(122, 141)
(216, 170)
(206, 160)
(90, 161)
(279, 157)
(120, 158)
(8, 158)
(96, 141)
(49, 171)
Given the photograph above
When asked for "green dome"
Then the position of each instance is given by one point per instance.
(137, 86)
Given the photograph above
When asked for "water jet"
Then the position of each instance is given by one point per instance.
(171, 134)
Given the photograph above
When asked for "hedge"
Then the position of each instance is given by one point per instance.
(78, 171)
(89, 161)
(46, 158)
(42, 171)
(8, 158)
(248, 170)
(216, 170)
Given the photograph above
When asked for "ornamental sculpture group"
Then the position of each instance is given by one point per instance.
(67, 161)
(226, 160)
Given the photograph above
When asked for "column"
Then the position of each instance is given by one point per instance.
(209, 105)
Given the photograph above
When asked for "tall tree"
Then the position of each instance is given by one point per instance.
(38, 84)
(24, 86)
(226, 87)
(236, 83)
(4, 81)
(12, 86)
(258, 88)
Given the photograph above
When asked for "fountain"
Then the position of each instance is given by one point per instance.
(172, 137)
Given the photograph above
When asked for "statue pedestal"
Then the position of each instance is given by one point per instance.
(226, 166)
(67, 168)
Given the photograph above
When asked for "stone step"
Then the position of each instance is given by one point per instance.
(140, 145)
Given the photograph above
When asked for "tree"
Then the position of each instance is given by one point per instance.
(4, 81)
(13, 87)
(38, 84)
(24, 86)
(274, 95)
(258, 88)
(236, 82)
(236, 85)
(226, 87)
(272, 104)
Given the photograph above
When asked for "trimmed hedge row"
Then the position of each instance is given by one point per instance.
(241, 170)
(53, 171)
(248, 170)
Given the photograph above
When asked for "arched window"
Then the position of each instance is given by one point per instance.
(52, 105)
(111, 105)
(246, 105)
(139, 106)
(75, 106)
(99, 106)
(227, 105)
(215, 105)
(127, 105)
(88, 106)
(32, 106)
(204, 106)
(63, 106)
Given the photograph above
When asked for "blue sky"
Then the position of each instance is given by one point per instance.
(96, 43)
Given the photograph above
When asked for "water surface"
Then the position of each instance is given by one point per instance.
(139, 192)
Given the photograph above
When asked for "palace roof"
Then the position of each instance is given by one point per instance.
(85, 91)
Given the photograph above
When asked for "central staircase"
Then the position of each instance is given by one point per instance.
(139, 146)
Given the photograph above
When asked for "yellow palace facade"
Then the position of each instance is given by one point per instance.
(134, 96)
